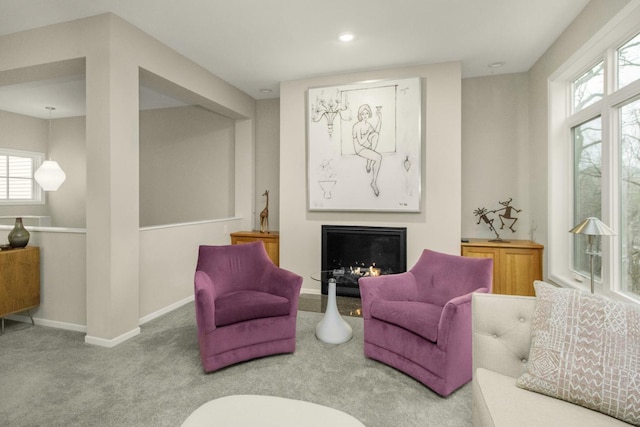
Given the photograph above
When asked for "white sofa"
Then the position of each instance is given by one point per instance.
(501, 341)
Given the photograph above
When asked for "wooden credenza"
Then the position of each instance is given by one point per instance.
(516, 264)
(19, 280)
(271, 242)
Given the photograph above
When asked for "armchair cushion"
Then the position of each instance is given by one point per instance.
(417, 317)
(239, 306)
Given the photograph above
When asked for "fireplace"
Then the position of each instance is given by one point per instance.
(361, 251)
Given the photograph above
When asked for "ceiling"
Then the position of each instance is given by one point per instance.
(256, 44)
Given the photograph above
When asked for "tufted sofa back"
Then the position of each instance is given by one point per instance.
(501, 332)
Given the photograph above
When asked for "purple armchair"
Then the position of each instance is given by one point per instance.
(246, 306)
(419, 322)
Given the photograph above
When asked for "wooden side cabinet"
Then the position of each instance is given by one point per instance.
(19, 280)
(271, 242)
(516, 264)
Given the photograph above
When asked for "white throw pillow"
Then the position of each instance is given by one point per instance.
(585, 349)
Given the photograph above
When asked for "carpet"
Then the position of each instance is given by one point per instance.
(50, 377)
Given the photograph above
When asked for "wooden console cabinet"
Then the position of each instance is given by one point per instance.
(19, 280)
(271, 242)
(516, 264)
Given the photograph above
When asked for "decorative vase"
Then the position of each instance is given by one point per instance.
(19, 236)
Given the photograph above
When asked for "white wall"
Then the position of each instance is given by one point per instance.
(495, 153)
(436, 226)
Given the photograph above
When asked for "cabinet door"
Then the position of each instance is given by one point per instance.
(272, 246)
(484, 252)
(520, 268)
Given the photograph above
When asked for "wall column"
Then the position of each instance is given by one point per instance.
(112, 193)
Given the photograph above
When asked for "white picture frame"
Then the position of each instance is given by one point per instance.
(364, 144)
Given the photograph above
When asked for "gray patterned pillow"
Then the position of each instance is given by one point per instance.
(585, 349)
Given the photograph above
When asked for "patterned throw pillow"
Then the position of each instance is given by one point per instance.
(585, 349)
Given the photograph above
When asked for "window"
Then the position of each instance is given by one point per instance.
(630, 196)
(594, 161)
(17, 185)
(587, 185)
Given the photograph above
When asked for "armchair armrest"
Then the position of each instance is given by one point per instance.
(456, 316)
(284, 283)
(390, 287)
(205, 297)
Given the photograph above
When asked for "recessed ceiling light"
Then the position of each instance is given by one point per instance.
(496, 64)
(346, 37)
(265, 90)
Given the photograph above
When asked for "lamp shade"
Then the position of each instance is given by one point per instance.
(592, 226)
(50, 175)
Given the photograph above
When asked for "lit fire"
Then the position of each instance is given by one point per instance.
(364, 272)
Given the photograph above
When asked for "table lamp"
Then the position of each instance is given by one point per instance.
(592, 227)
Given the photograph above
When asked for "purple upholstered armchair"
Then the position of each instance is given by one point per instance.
(246, 306)
(419, 322)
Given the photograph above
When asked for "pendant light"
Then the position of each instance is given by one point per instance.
(50, 175)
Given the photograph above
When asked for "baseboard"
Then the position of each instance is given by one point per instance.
(48, 323)
(310, 291)
(165, 310)
(112, 342)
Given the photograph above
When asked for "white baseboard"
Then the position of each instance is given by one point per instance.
(311, 291)
(48, 323)
(165, 310)
(112, 342)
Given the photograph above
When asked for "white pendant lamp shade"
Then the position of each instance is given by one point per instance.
(50, 175)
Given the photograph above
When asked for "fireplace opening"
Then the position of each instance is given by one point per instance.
(361, 251)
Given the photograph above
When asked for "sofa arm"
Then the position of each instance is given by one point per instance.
(502, 332)
(205, 302)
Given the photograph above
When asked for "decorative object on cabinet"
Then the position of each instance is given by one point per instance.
(18, 236)
(19, 281)
(356, 131)
(504, 213)
(592, 227)
(49, 175)
(271, 242)
(264, 215)
(516, 264)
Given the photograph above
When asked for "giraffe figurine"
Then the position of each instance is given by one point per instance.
(264, 215)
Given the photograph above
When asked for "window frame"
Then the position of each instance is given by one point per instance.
(561, 121)
(38, 194)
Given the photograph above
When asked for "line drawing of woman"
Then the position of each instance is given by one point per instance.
(365, 141)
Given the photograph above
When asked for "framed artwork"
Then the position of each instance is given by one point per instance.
(364, 146)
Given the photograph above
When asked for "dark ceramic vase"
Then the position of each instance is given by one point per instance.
(19, 236)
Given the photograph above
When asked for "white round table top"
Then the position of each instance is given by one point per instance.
(267, 411)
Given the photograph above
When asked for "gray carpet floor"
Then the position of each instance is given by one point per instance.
(50, 377)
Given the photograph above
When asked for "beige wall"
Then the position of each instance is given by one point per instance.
(436, 226)
(186, 166)
(495, 152)
(587, 23)
(114, 53)
(19, 132)
(67, 206)
(267, 161)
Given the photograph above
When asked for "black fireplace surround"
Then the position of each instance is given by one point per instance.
(361, 251)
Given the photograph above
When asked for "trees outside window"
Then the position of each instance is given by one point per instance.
(603, 129)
